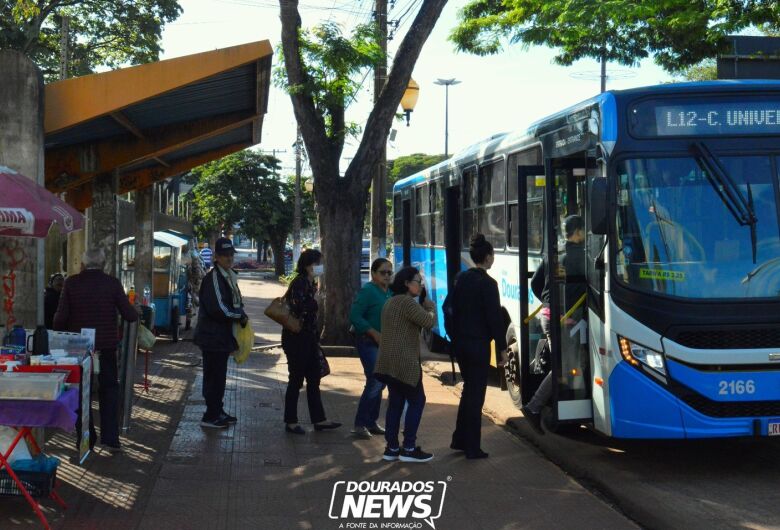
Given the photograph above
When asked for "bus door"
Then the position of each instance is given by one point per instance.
(407, 229)
(452, 232)
(565, 191)
(524, 376)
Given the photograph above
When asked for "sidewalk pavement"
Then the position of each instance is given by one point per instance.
(176, 475)
(254, 475)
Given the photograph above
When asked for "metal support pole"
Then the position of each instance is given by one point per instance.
(446, 120)
(297, 211)
(127, 372)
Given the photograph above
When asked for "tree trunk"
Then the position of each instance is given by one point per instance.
(341, 227)
(277, 245)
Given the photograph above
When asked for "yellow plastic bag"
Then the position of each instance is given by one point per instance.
(246, 341)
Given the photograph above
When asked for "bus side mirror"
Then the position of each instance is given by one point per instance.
(598, 215)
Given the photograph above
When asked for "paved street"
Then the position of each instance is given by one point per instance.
(659, 484)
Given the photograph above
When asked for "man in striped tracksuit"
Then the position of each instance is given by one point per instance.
(220, 307)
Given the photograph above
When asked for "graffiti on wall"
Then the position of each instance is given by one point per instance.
(16, 256)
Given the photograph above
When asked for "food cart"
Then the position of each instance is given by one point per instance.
(168, 286)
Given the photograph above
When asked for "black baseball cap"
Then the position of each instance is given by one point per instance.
(224, 246)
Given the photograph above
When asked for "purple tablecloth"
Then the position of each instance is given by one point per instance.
(33, 413)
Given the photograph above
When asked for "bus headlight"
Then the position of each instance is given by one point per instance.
(643, 357)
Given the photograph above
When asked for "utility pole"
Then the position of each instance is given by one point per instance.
(297, 211)
(379, 182)
(64, 40)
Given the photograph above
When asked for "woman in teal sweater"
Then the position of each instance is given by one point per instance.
(366, 318)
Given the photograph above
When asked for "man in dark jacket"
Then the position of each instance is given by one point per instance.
(220, 306)
(91, 299)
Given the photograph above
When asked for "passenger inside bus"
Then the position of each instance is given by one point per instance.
(572, 260)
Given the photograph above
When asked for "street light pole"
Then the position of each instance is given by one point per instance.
(446, 83)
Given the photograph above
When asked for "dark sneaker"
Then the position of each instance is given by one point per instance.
(228, 418)
(361, 432)
(219, 423)
(376, 429)
(415, 455)
(391, 455)
(476, 455)
(534, 419)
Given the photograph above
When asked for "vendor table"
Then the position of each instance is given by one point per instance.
(26, 414)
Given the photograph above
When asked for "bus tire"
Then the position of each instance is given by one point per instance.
(512, 368)
(433, 342)
(175, 324)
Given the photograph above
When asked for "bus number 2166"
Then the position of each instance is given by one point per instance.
(736, 387)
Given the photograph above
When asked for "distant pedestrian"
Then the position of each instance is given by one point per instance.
(398, 364)
(478, 321)
(51, 298)
(207, 255)
(221, 305)
(366, 318)
(91, 299)
(302, 348)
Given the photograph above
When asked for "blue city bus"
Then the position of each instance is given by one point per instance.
(678, 335)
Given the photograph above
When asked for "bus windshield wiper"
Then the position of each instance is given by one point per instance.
(728, 191)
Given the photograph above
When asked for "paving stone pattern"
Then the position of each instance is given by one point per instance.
(177, 475)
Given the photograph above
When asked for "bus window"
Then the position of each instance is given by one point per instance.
(470, 213)
(437, 212)
(422, 220)
(535, 191)
(398, 225)
(487, 216)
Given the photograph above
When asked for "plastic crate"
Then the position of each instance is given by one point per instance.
(37, 483)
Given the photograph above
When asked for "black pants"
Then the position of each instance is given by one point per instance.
(214, 378)
(108, 399)
(302, 363)
(474, 362)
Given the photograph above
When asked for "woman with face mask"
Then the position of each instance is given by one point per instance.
(302, 348)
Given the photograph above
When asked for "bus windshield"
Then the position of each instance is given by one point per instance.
(678, 236)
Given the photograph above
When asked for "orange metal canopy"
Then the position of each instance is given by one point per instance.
(155, 120)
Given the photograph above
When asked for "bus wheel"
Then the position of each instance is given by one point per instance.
(434, 343)
(175, 324)
(512, 370)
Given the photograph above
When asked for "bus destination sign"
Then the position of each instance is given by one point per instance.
(719, 117)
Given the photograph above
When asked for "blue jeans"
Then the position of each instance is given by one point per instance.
(371, 400)
(399, 394)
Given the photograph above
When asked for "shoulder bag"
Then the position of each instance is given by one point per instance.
(279, 311)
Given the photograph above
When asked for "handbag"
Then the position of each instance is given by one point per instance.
(279, 311)
(324, 365)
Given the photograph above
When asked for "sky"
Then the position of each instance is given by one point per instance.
(497, 93)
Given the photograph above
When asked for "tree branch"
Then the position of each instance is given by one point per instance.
(311, 123)
(381, 118)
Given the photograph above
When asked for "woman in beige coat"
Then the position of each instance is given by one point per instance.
(398, 365)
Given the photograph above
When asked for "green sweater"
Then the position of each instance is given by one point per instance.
(366, 312)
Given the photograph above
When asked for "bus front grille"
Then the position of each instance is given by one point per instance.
(734, 409)
(729, 339)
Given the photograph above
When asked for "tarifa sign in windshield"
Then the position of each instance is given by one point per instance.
(387, 504)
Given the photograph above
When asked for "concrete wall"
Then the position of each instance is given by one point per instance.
(21, 149)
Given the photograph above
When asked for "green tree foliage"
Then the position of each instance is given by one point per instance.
(404, 166)
(106, 33)
(705, 71)
(245, 189)
(322, 72)
(678, 33)
(334, 62)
